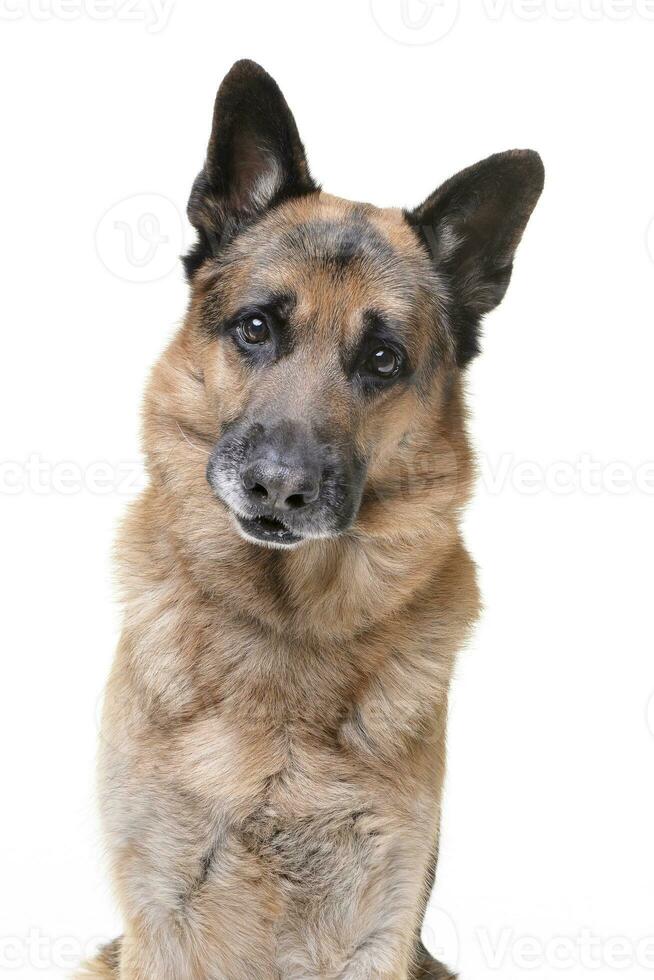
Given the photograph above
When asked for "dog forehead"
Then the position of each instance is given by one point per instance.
(333, 256)
(331, 222)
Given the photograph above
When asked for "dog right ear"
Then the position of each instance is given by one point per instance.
(471, 226)
(255, 160)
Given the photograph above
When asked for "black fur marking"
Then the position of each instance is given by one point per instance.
(206, 865)
(338, 244)
(280, 306)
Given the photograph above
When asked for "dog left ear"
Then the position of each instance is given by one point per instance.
(255, 159)
(472, 226)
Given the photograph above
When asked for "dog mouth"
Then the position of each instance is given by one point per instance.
(267, 530)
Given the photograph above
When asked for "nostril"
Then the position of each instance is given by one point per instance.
(258, 490)
(252, 486)
(302, 497)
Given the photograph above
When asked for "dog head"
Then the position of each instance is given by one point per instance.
(332, 333)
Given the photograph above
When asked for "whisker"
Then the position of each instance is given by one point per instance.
(192, 444)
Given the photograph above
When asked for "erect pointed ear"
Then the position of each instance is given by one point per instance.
(255, 160)
(472, 226)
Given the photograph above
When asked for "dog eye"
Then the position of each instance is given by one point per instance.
(383, 362)
(254, 330)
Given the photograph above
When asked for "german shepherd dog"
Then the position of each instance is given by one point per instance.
(294, 583)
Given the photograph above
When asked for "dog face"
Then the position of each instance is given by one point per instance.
(317, 319)
(332, 330)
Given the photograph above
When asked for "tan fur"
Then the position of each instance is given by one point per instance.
(273, 742)
(105, 965)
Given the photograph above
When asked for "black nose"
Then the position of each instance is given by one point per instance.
(279, 484)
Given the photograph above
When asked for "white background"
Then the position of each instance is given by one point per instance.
(547, 860)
